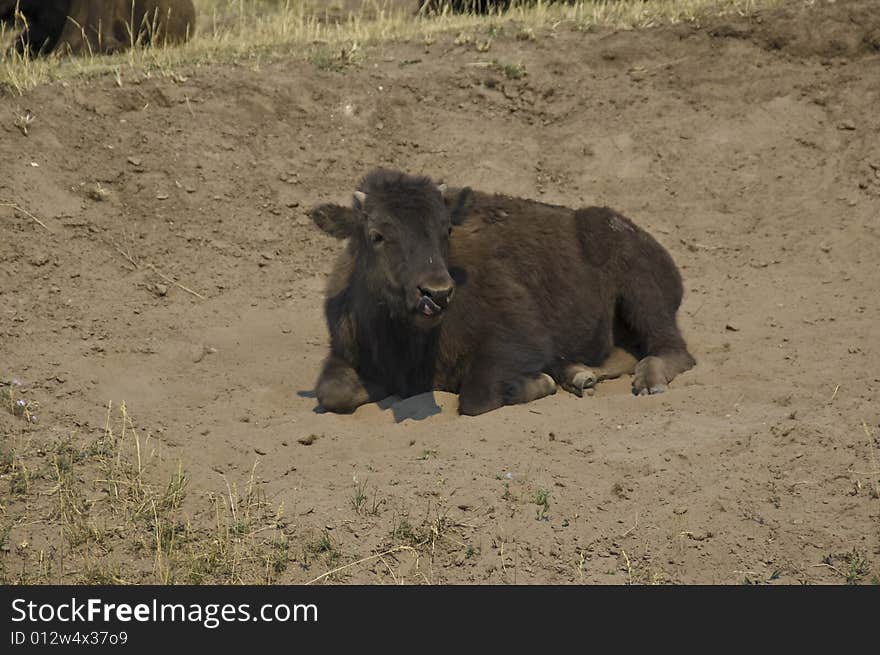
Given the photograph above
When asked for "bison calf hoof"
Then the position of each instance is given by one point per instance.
(580, 380)
(335, 397)
(650, 377)
(544, 386)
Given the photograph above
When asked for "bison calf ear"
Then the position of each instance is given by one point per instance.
(458, 202)
(337, 221)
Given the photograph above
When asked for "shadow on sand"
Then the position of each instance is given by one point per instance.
(416, 408)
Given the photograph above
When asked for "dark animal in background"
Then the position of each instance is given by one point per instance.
(164, 21)
(461, 6)
(96, 26)
(498, 299)
(44, 21)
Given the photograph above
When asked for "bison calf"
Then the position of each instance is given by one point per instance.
(495, 298)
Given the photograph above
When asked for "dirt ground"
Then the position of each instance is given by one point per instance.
(749, 148)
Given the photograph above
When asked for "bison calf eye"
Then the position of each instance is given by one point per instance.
(376, 237)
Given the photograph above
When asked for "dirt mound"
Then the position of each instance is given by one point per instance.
(827, 29)
(154, 249)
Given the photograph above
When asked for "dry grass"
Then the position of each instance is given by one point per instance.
(261, 30)
(110, 505)
(116, 510)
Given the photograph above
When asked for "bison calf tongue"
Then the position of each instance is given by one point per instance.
(427, 306)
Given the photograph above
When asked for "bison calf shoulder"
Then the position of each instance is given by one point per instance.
(498, 299)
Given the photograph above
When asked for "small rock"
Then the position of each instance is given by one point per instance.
(160, 289)
(846, 124)
(637, 74)
(731, 327)
(97, 193)
(40, 259)
(309, 440)
(134, 161)
(198, 353)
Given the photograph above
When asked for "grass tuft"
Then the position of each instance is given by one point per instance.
(123, 513)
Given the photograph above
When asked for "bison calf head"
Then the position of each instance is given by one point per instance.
(399, 227)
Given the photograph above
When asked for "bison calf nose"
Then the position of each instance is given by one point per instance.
(441, 295)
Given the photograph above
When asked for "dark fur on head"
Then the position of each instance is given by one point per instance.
(398, 227)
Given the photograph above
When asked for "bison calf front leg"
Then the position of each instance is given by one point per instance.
(480, 394)
(341, 390)
(655, 372)
(580, 378)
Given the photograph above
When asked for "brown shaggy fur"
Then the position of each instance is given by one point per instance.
(98, 26)
(496, 298)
